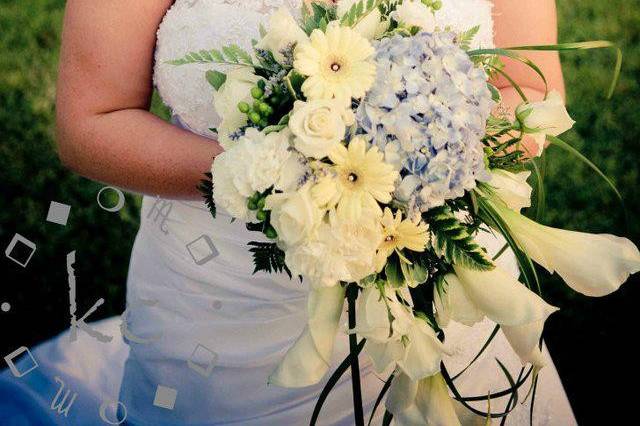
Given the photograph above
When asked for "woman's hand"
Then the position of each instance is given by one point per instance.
(527, 22)
(105, 131)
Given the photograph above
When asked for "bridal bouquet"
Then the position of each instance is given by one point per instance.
(365, 143)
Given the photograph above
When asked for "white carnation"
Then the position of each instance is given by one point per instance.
(225, 193)
(341, 251)
(252, 164)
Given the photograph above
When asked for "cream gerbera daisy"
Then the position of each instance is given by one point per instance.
(398, 234)
(337, 64)
(358, 180)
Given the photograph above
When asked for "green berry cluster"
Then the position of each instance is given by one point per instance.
(256, 204)
(263, 107)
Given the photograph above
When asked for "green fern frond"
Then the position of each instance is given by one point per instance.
(359, 11)
(465, 38)
(453, 241)
(230, 55)
(206, 189)
(268, 257)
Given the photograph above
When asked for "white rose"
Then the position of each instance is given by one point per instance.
(512, 188)
(294, 215)
(283, 32)
(318, 126)
(371, 26)
(548, 117)
(412, 13)
(236, 89)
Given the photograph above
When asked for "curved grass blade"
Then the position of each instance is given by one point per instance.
(499, 394)
(540, 192)
(490, 216)
(383, 391)
(571, 150)
(513, 400)
(463, 400)
(386, 420)
(586, 45)
(484, 347)
(511, 81)
(533, 400)
(342, 368)
(515, 56)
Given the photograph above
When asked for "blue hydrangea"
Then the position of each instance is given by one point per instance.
(427, 112)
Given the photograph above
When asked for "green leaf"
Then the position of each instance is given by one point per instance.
(216, 78)
(488, 213)
(453, 241)
(274, 128)
(393, 272)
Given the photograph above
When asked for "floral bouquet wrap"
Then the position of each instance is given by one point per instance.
(365, 143)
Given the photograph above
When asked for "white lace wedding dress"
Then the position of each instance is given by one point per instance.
(203, 333)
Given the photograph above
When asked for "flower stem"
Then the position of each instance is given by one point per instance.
(352, 295)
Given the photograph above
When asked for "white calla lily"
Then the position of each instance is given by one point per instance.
(547, 117)
(512, 188)
(454, 304)
(395, 336)
(423, 352)
(308, 360)
(501, 297)
(525, 341)
(471, 295)
(591, 264)
(419, 403)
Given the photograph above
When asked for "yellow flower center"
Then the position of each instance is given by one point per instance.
(335, 67)
(389, 238)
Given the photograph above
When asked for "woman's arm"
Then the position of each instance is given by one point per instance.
(105, 131)
(527, 22)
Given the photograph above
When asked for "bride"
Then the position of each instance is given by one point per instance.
(201, 334)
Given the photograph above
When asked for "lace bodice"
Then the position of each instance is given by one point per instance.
(192, 25)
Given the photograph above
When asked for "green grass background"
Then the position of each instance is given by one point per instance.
(590, 339)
